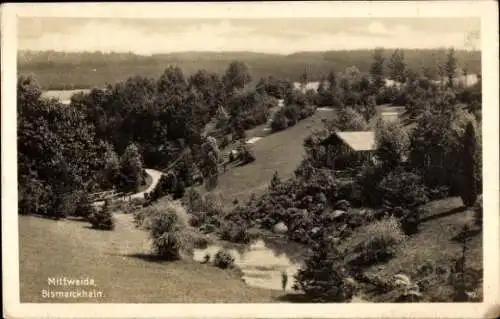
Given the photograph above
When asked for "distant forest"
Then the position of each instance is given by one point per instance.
(60, 70)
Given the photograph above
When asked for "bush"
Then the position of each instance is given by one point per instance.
(367, 183)
(223, 259)
(84, 207)
(279, 121)
(410, 221)
(168, 229)
(103, 218)
(224, 142)
(376, 243)
(403, 188)
(238, 232)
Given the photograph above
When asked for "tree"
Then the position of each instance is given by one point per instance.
(304, 79)
(332, 81)
(469, 160)
(397, 66)
(450, 66)
(111, 172)
(322, 278)
(377, 68)
(275, 181)
(347, 119)
(392, 142)
(236, 77)
(131, 169)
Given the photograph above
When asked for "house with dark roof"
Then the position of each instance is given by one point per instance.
(347, 150)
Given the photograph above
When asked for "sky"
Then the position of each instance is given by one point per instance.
(281, 36)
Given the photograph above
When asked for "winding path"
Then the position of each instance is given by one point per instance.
(155, 176)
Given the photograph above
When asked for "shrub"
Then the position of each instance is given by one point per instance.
(410, 220)
(238, 232)
(246, 154)
(168, 229)
(367, 183)
(84, 207)
(376, 242)
(279, 121)
(403, 188)
(224, 142)
(103, 218)
(223, 259)
(469, 166)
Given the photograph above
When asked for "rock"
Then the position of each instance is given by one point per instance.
(402, 280)
(336, 240)
(280, 228)
(342, 205)
(315, 230)
(338, 213)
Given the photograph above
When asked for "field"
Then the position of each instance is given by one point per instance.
(119, 264)
(282, 151)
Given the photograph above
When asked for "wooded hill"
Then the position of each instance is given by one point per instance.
(60, 70)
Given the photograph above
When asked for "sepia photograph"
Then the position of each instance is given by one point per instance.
(243, 157)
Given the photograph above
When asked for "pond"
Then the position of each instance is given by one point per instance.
(261, 262)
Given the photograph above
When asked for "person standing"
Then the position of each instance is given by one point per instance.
(284, 279)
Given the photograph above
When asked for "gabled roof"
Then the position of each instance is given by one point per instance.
(358, 141)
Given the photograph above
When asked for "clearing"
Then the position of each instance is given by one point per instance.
(119, 263)
(281, 151)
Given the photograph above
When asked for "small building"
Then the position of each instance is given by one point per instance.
(347, 150)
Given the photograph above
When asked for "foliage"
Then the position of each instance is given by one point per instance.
(168, 229)
(402, 188)
(237, 232)
(397, 66)
(392, 143)
(376, 242)
(275, 181)
(347, 119)
(131, 169)
(469, 166)
(102, 218)
(237, 76)
(223, 259)
(367, 182)
(478, 211)
(321, 278)
(58, 153)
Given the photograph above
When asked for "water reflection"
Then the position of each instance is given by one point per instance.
(260, 262)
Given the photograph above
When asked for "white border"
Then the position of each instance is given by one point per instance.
(487, 10)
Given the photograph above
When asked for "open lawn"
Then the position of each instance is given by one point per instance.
(282, 151)
(120, 266)
(434, 242)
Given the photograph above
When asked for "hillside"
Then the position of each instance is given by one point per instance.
(76, 251)
(58, 70)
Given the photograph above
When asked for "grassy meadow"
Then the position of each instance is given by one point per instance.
(119, 263)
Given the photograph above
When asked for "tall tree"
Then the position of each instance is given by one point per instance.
(304, 78)
(332, 81)
(450, 66)
(397, 66)
(237, 76)
(469, 166)
(131, 169)
(377, 68)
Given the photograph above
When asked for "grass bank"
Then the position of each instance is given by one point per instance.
(120, 266)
